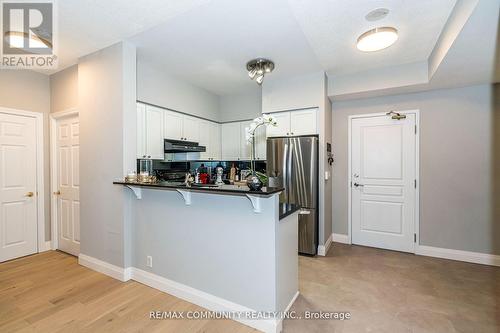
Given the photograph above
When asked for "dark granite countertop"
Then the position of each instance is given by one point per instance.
(287, 209)
(221, 189)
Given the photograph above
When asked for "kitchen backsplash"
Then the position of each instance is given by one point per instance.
(210, 165)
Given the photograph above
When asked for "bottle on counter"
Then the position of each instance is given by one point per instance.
(232, 173)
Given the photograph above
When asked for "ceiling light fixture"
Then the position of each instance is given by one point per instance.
(16, 39)
(257, 68)
(377, 39)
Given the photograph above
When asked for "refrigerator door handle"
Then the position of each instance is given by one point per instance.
(289, 171)
(285, 179)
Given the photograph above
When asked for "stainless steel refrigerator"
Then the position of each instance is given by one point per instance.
(292, 163)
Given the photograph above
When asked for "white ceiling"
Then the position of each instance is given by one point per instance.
(332, 29)
(90, 25)
(208, 42)
(210, 46)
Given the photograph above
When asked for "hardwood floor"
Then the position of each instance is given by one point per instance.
(384, 291)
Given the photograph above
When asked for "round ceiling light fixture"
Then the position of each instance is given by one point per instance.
(257, 68)
(377, 39)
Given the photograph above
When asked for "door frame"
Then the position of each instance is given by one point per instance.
(42, 245)
(416, 229)
(54, 117)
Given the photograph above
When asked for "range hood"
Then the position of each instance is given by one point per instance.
(179, 146)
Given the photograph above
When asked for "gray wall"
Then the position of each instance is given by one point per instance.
(30, 91)
(106, 102)
(457, 157)
(156, 87)
(247, 105)
(64, 89)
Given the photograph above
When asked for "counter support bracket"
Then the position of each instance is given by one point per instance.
(255, 200)
(137, 191)
(186, 195)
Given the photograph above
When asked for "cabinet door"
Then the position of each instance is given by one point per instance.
(282, 127)
(215, 141)
(303, 122)
(191, 128)
(245, 146)
(230, 141)
(260, 143)
(154, 133)
(205, 139)
(141, 131)
(173, 125)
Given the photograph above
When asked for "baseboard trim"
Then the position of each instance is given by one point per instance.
(119, 273)
(189, 294)
(323, 249)
(203, 299)
(459, 255)
(47, 246)
(341, 238)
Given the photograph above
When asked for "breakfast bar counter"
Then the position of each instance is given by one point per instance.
(223, 248)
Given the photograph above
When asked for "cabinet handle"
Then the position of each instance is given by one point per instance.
(287, 133)
(292, 133)
(149, 156)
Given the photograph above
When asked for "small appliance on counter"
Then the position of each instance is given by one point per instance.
(220, 171)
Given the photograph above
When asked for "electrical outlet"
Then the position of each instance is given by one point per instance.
(149, 261)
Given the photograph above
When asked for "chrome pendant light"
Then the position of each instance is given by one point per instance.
(257, 68)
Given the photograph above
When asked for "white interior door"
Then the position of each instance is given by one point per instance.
(383, 174)
(68, 189)
(18, 217)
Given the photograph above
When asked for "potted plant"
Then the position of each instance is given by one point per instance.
(254, 182)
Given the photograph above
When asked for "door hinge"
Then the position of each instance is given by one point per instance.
(414, 238)
(415, 183)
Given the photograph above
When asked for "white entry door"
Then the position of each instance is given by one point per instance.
(68, 185)
(18, 204)
(383, 188)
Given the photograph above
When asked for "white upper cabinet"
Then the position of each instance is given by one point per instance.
(141, 131)
(283, 125)
(304, 122)
(173, 125)
(231, 141)
(154, 132)
(191, 128)
(245, 146)
(204, 136)
(260, 143)
(215, 141)
(294, 123)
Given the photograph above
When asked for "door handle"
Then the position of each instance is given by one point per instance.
(358, 185)
(29, 194)
(57, 193)
(304, 212)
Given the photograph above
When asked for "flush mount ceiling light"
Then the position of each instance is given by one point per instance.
(377, 39)
(16, 39)
(257, 68)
